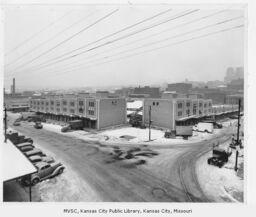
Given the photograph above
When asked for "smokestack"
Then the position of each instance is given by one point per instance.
(13, 85)
(11, 89)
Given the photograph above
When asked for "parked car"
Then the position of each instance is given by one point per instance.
(219, 157)
(65, 128)
(33, 152)
(38, 125)
(16, 123)
(20, 145)
(37, 158)
(44, 171)
(27, 148)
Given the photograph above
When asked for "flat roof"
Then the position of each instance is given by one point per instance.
(15, 164)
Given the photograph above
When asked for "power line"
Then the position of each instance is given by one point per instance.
(115, 33)
(158, 48)
(152, 35)
(69, 38)
(51, 38)
(112, 34)
(166, 39)
(36, 34)
(122, 37)
(130, 34)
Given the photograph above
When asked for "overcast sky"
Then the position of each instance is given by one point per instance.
(62, 47)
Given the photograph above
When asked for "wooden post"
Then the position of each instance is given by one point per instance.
(30, 192)
(5, 125)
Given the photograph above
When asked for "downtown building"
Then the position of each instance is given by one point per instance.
(95, 112)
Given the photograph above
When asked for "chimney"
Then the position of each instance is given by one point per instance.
(11, 89)
(13, 85)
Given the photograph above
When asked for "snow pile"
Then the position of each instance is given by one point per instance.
(221, 184)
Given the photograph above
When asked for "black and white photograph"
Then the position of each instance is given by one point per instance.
(124, 103)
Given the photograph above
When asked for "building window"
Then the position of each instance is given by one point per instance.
(205, 105)
(188, 104)
(64, 109)
(180, 105)
(64, 102)
(52, 108)
(179, 114)
(91, 104)
(194, 111)
(58, 103)
(38, 103)
(47, 103)
(91, 112)
(81, 110)
(153, 103)
(81, 103)
(58, 110)
(114, 102)
(200, 104)
(157, 103)
(72, 111)
(52, 102)
(188, 112)
(200, 112)
(42, 102)
(72, 103)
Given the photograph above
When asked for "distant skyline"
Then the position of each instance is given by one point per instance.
(183, 43)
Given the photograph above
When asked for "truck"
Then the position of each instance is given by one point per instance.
(184, 131)
(219, 157)
(204, 127)
(73, 125)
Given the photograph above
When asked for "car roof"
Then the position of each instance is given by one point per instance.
(35, 157)
(24, 144)
(33, 151)
(41, 164)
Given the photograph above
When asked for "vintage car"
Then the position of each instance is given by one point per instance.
(44, 171)
(38, 125)
(33, 152)
(27, 148)
(16, 123)
(37, 158)
(219, 157)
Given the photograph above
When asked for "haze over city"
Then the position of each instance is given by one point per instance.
(66, 47)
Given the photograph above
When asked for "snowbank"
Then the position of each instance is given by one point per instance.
(221, 184)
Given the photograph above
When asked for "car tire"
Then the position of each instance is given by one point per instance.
(35, 181)
(60, 171)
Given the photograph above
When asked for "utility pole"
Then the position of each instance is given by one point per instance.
(5, 124)
(237, 136)
(149, 124)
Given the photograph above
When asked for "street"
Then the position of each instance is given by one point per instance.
(168, 177)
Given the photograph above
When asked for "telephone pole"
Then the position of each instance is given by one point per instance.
(149, 124)
(5, 124)
(237, 136)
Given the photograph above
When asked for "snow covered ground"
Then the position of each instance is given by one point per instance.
(132, 135)
(222, 184)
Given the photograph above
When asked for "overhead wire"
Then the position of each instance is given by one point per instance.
(162, 47)
(163, 40)
(69, 38)
(179, 15)
(51, 38)
(36, 34)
